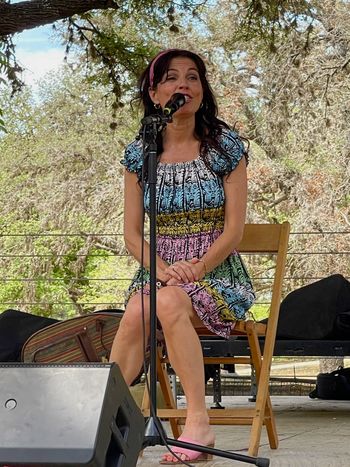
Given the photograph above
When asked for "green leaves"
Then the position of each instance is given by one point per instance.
(60, 182)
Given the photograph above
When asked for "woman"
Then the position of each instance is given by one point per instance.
(201, 207)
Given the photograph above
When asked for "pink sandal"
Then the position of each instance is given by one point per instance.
(190, 455)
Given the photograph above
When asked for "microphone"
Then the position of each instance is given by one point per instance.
(177, 100)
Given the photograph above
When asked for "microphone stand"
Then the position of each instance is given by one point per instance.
(154, 431)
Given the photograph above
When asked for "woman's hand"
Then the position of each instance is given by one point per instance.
(183, 272)
(162, 277)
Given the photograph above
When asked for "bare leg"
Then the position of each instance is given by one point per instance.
(127, 349)
(175, 312)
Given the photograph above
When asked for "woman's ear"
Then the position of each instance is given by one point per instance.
(153, 95)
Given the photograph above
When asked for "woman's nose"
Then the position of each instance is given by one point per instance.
(183, 83)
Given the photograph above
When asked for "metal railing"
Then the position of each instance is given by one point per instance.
(62, 275)
(66, 274)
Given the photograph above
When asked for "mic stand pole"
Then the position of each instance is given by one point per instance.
(151, 126)
(154, 431)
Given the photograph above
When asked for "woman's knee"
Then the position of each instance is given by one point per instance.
(132, 317)
(173, 304)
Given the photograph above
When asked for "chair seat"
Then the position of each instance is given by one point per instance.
(240, 329)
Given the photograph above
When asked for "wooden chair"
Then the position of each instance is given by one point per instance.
(257, 239)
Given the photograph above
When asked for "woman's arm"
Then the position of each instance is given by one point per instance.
(235, 187)
(133, 212)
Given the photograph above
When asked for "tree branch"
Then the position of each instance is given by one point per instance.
(16, 17)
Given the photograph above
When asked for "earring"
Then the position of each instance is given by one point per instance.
(156, 106)
(202, 105)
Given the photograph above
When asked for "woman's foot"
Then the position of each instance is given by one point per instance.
(194, 433)
(185, 454)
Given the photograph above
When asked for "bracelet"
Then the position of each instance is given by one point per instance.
(205, 266)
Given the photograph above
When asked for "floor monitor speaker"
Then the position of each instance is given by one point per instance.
(67, 415)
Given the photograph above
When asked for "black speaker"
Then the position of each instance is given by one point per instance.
(68, 415)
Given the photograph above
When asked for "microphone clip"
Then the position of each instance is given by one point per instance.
(157, 119)
(176, 101)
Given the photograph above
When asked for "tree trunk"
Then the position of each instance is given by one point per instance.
(15, 17)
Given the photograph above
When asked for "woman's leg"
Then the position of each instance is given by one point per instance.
(177, 317)
(127, 349)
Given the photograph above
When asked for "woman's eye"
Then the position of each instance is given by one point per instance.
(174, 78)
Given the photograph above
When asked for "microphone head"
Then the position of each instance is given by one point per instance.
(179, 98)
(176, 101)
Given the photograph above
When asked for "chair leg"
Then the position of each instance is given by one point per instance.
(271, 425)
(263, 406)
(265, 414)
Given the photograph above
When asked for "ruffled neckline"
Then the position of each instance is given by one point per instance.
(180, 163)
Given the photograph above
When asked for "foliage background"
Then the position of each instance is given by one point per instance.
(280, 71)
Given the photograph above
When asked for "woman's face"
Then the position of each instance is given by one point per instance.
(183, 77)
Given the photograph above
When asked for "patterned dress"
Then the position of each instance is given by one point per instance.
(190, 217)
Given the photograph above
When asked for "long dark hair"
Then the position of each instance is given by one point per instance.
(207, 125)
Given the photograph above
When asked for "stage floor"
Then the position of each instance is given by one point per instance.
(311, 432)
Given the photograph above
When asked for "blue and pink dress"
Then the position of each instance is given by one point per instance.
(190, 217)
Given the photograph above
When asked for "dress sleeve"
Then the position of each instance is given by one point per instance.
(226, 160)
(133, 157)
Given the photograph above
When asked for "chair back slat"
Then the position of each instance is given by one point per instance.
(261, 238)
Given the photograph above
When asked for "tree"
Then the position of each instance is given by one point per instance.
(92, 26)
(290, 100)
(82, 25)
(16, 17)
(295, 113)
(60, 185)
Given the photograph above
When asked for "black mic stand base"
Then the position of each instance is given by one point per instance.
(154, 433)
